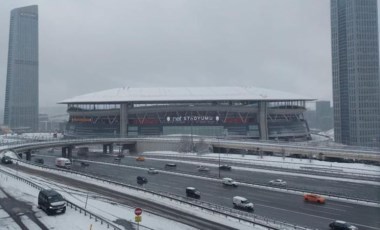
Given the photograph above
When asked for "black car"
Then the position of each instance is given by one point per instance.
(141, 180)
(193, 192)
(225, 167)
(84, 164)
(39, 161)
(170, 165)
(51, 201)
(342, 225)
(6, 160)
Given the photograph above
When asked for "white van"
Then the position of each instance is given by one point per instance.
(241, 202)
(63, 163)
(229, 182)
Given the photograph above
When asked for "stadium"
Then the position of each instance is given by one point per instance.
(234, 112)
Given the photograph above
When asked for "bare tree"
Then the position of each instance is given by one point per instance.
(201, 147)
(185, 144)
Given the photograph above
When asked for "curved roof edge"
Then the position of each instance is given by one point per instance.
(172, 94)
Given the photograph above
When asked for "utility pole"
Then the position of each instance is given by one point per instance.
(219, 164)
(191, 131)
(85, 206)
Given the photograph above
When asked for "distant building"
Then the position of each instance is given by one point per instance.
(310, 116)
(21, 94)
(355, 65)
(48, 125)
(324, 115)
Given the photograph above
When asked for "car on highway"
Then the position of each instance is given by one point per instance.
(170, 165)
(51, 202)
(229, 182)
(225, 167)
(140, 158)
(141, 180)
(342, 225)
(84, 164)
(6, 160)
(242, 203)
(152, 171)
(39, 161)
(62, 162)
(278, 182)
(314, 198)
(117, 160)
(202, 168)
(193, 192)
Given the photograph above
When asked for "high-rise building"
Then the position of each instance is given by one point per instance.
(355, 65)
(324, 117)
(21, 94)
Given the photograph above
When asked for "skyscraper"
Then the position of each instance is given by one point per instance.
(355, 65)
(324, 117)
(21, 94)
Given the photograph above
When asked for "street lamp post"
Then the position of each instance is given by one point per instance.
(219, 164)
(191, 131)
(219, 159)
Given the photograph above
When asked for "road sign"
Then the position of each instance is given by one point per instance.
(138, 211)
(138, 219)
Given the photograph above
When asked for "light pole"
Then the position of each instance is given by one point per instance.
(219, 164)
(85, 206)
(191, 131)
(219, 159)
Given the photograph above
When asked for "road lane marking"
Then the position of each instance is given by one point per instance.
(300, 213)
(321, 217)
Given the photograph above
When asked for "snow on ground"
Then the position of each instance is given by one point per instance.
(286, 162)
(8, 153)
(157, 199)
(40, 135)
(25, 193)
(8, 138)
(329, 133)
(73, 219)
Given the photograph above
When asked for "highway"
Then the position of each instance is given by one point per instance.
(275, 205)
(304, 168)
(371, 192)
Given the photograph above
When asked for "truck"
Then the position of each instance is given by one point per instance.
(63, 163)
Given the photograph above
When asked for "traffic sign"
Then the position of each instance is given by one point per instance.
(138, 219)
(138, 211)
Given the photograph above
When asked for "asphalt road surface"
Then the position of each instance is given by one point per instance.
(275, 205)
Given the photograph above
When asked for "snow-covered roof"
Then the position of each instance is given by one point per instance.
(130, 94)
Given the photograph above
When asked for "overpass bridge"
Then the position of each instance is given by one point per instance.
(140, 144)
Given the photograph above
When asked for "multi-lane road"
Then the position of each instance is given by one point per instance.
(281, 206)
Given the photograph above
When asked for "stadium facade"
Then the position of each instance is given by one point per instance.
(244, 112)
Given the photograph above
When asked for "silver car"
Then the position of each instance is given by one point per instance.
(152, 171)
(202, 168)
(278, 182)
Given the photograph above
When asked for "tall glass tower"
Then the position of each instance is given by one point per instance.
(21, 94)
(355, 66)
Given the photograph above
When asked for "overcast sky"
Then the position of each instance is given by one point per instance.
(87, 46)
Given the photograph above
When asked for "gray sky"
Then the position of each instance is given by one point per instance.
(87, 46)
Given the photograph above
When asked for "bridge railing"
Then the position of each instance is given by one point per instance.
(227, 139)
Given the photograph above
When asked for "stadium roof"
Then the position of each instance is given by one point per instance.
(131, 94)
